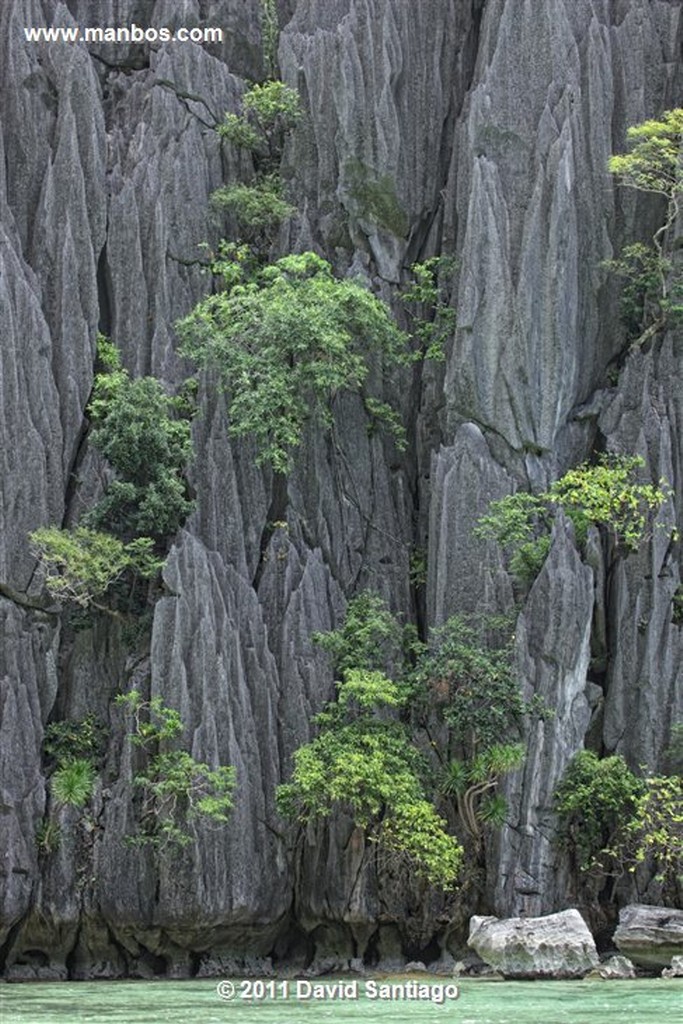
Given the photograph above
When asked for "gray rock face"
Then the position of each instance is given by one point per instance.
(553, 644)
(555, 946)
(650, 936)
(615, 968)
(676, 969)
(479, 129)
(530, 178)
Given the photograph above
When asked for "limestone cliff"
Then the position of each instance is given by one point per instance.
(486, 127)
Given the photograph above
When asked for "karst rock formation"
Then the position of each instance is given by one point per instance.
(487, 126)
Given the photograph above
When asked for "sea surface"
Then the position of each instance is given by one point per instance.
(380, 1001)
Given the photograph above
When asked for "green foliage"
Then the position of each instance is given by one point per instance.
(73, 749)
(467, 674)
(48, 837)
(527, 560)
(369, 638)
(258, 208)
(365, 765)
(365, 690)
(641, 268)
(515, 519)
(419, 834)
(364, 761)
(595, 800)
(418, 567)
(470, 677)
(73, 782)
(427, 298)
(614, 819)
(135, 426)
(269, 35)
(472, 785)
(176, 789)
(269, 111)
(654, 282)
(234, 263)
(656, 828)
(285, 340)
(237, 129)
(272, 104)
(653, 163)
(70, 740)
(153, 721)
(81, 565)
(605, 494)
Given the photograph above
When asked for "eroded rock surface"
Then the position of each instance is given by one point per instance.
(650, 936)
(555, 946)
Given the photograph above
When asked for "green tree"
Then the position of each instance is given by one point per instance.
(82, 565)
(71, 739)
(259, 208)
(366, 757)
(269, 35)
(428, 301)
(613, 820)
(605, 494)
(284, 340)
(365, 764)
(144, 434)
(176, 790)
(595, 800)
(466, 675)
(269, 111)
(368, 638)
(653, 165)
(655, 831)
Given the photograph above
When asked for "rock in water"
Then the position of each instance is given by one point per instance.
(613, 968)
(650, 936)
(554, 946)
(676, 969)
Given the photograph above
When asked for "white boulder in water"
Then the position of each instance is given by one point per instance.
(554, 946)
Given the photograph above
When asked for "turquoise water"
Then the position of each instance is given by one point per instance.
(656, 1001)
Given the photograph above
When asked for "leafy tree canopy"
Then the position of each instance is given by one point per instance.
(145, 436)
(606, 494)
(614, 819)
(653, 294)
(259, 208)
(269, 111)
(176, 789)
(365, 759)
(466, 675)
(81, 565)
(369, 637)
(366, 764)
(284, 340)
(653, 163)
